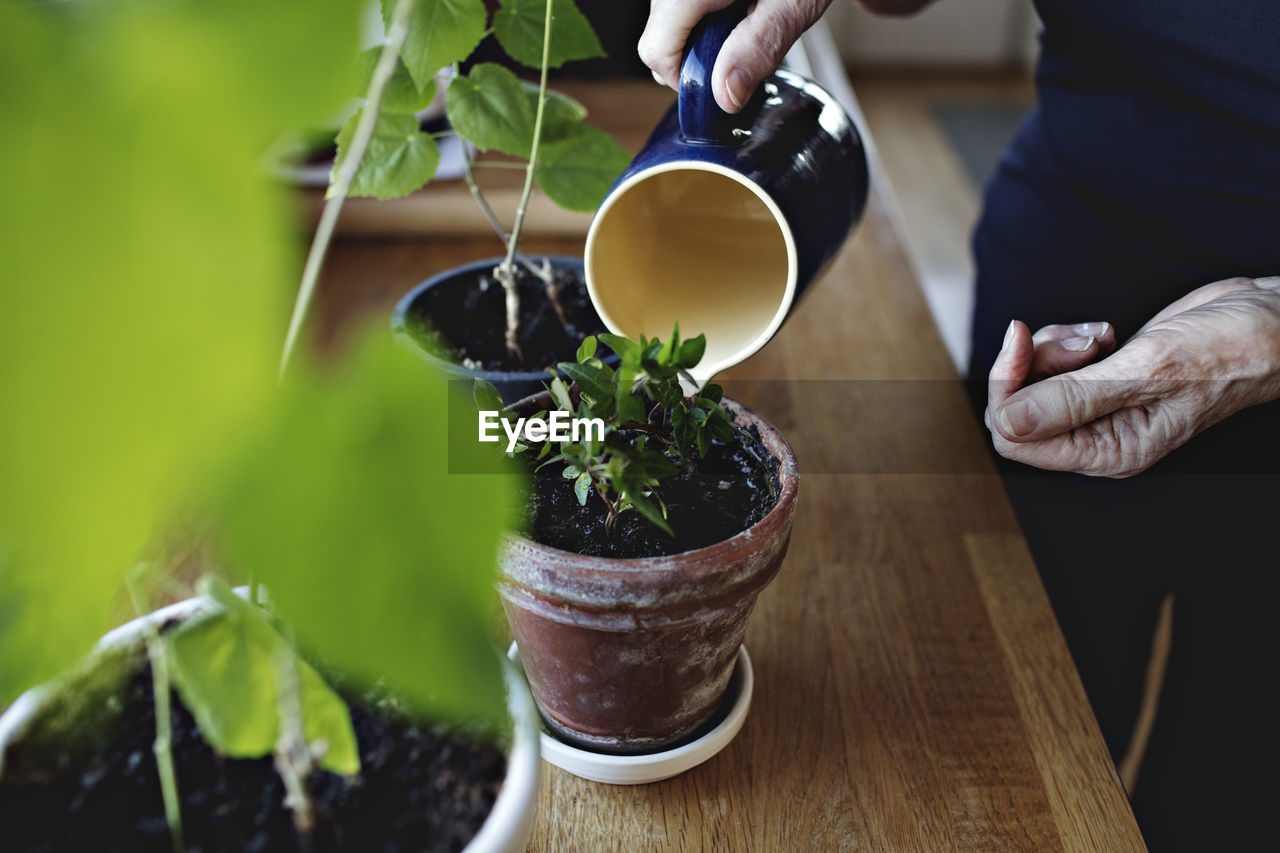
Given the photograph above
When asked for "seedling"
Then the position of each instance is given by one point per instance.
(652, 429)
(383, 153)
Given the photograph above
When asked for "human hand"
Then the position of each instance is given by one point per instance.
(752, 52)
(1053, 405)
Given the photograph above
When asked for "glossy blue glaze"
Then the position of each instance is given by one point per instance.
(701, 119)
(805, 153)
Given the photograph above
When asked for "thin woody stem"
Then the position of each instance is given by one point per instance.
(548, 279)
(162, 746)
(505, 273)
(293, 758)
(514, 239)
(346, 174)
(469, 176)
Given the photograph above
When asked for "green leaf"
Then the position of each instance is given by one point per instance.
(520, 26)
(400, 158)
(582, 488)
(401, 94)
(630, 407)
(691, 351)
(643, 506)
(664, 356)
(704, 443)
(560, 395)
(441, 32)
(626, 349)
(712, 392)
(225, 665)
(560, 115)
(490, 108)
(592, 381)
(587, 348)
(379, 559)
(656, 464)
(486, 396)
(577, 169)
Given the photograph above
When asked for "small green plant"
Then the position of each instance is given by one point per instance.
(383, 153)
(652, 429)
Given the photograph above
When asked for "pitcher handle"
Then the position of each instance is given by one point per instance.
(701, 119)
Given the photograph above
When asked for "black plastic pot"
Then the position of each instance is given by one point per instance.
(512, 385)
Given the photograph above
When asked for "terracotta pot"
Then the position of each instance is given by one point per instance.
(633, 655)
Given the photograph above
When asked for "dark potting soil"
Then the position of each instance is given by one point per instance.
(731, 489)
(419, 789)
(467, 319)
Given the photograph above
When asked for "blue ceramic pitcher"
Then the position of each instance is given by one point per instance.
(723, 220)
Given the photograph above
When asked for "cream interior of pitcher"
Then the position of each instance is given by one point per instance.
(697, 244)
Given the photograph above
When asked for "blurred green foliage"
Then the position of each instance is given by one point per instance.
(379, 559)
(143, 259)
(147, 264)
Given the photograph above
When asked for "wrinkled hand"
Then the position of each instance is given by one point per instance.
(1053, 404)
(752, 52)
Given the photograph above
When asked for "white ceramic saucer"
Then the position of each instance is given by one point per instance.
(655, 766)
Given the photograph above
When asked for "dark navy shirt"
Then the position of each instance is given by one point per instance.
(1166, 113)
(1150, 167)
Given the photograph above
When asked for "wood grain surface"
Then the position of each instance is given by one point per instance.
(913, 692)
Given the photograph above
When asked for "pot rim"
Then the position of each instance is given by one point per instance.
(400, 317)
(509, 823)
(713, 554)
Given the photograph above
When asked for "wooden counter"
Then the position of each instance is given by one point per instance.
(913, 691)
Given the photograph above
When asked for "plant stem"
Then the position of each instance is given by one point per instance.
(162, 746)
(292, 754)
(505, 273)
(514, 239)
(341, 185)
(469, 176)
(506, 270)
(553, 292)
(500, 164)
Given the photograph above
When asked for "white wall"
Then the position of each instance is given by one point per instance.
(974, 33)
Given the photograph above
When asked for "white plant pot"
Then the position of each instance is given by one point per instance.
(505, 830)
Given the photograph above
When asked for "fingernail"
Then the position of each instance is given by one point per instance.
(1078, 344)
(738, 85)
(1019, 419)
(657, 79)
(1090, 330)
(1008, 336)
